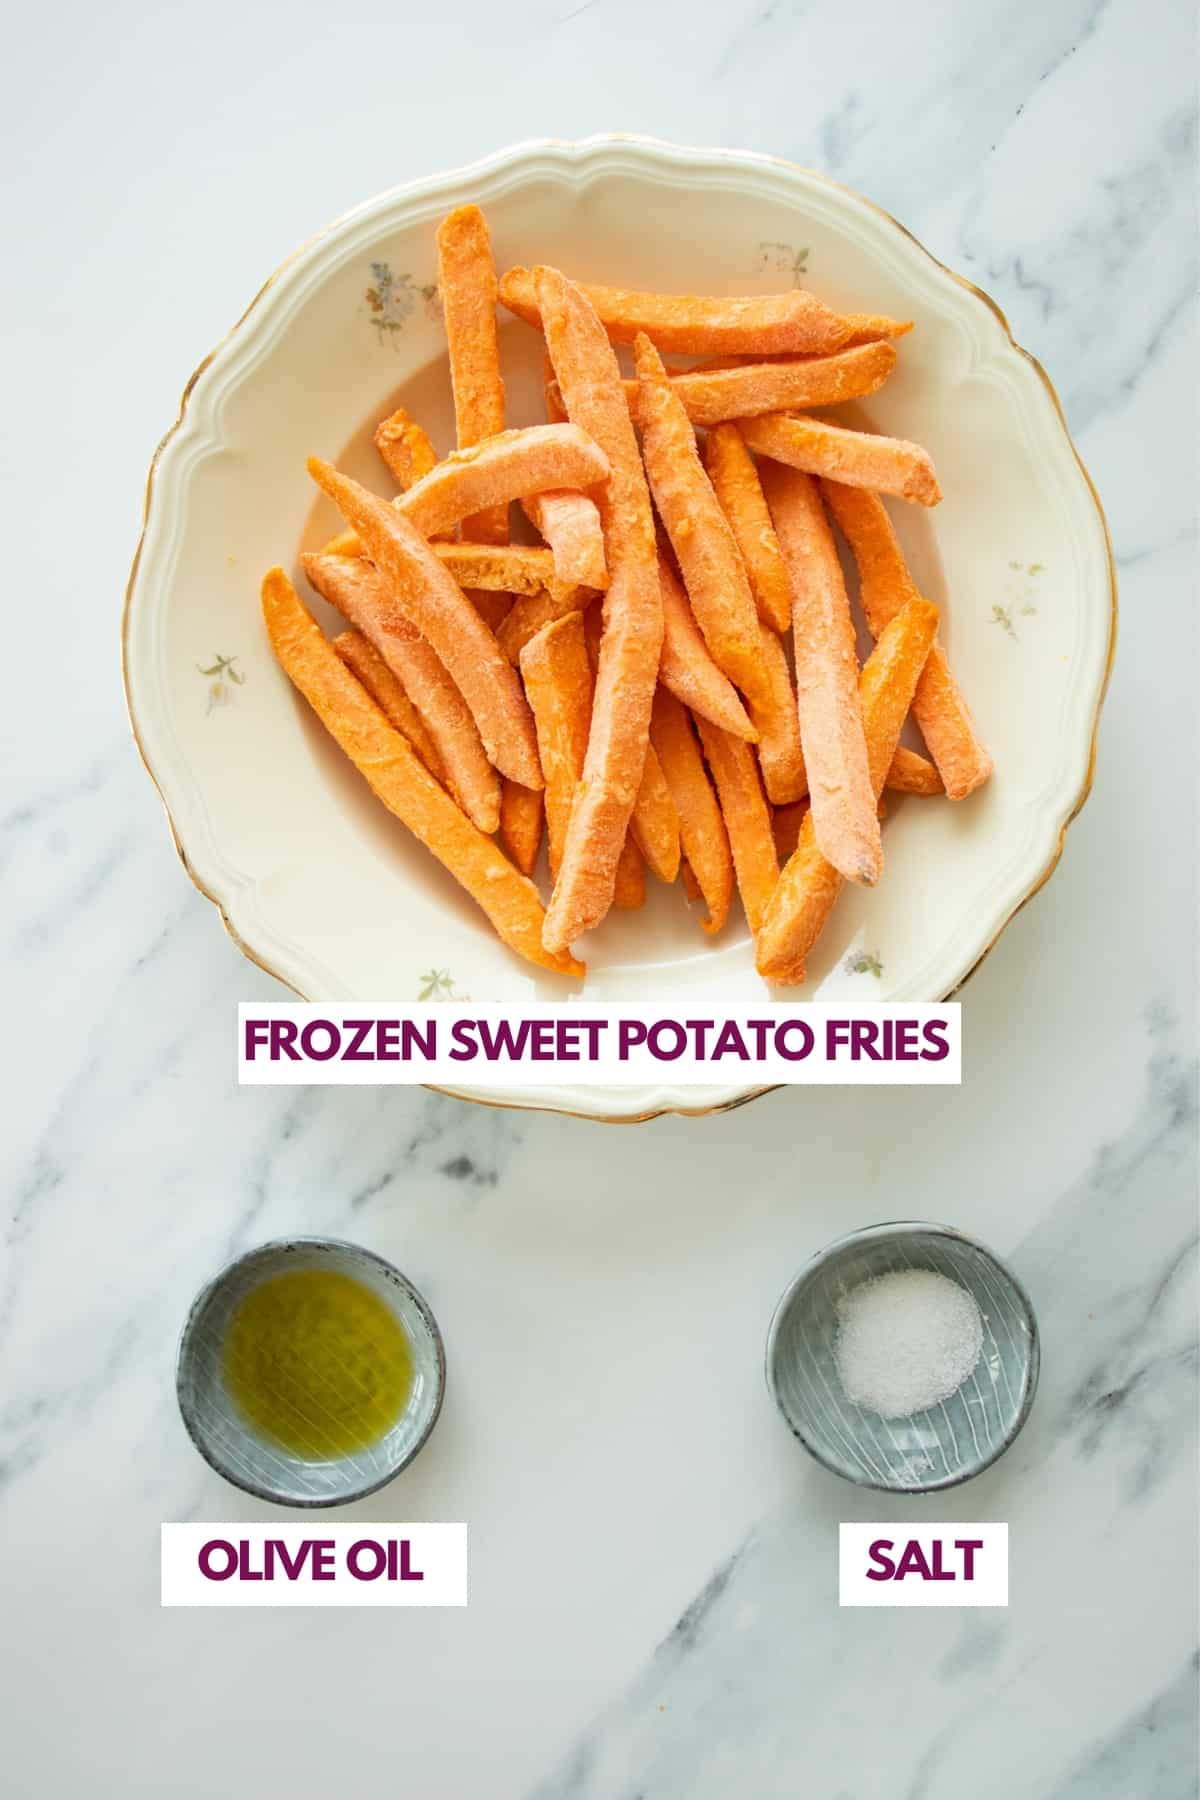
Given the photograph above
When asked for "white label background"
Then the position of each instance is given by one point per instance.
(988, 1588)
(438, 1551)
(356, 1066)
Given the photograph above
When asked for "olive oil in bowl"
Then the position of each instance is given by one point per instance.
(317, 1363)
(310, 1372)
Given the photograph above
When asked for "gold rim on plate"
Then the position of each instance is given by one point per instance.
(530, 145)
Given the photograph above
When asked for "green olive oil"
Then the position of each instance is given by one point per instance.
(317, 1363)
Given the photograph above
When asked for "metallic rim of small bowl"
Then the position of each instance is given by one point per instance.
(283, 1245)
(894, 1228)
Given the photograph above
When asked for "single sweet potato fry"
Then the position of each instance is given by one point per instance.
(502, 468)
(421, 590)
(558, 684)
(654, 821)
(785, 827)
(405, 448)
(747, 818)
(390, 696)
(687, 669)
(629, 884)
(912, 773)
(702, 830)
(400, 779)
(885, 586)
(711, 396)
(525, 570)
(866, 328)
(570, 524)
(701, 325)
(586, 369)
(532, 611)
(705, 547)
(735, 482)
(410, 456)
(777, 722)
(467, 286)
(857, 458)
(831, 729)
(360, 594)
(522, 817)
(810, 884)
(528, 616)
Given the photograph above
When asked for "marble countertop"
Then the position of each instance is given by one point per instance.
(653, 1607)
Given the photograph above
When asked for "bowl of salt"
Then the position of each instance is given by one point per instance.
(904, 1357)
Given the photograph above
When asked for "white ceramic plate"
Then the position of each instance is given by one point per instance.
(315, 881)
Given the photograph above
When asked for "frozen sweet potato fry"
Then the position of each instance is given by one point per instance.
(810, 884)
(885, 586)
(420, 589)
(867, 328)
(629, 884)
(742, 391)
(513, 569)
(785, 827)
(735, 482)
(528, 616)
(686, 667)
(857, 458)
(502, 468)
(701, 325)
(522, 817)
(777, 721)
(467, 286)
(831, 728)
(570, 524)
(493, 472)
(654, 821)
(532, 611)
(360, 594)
(400, 779)
(405, 448)
(702, 832)
(586, 369)
(390, 696)
(912, 773)
(704, 545)
(408, 453)
(747, 818)
(558, 684)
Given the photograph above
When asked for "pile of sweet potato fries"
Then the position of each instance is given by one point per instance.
(624, 686)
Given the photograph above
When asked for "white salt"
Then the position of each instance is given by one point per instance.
(906, 1340)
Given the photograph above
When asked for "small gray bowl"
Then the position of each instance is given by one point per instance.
(944, 1445)
(231, 1446)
